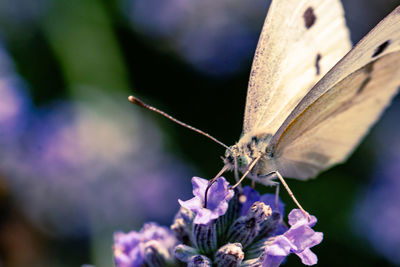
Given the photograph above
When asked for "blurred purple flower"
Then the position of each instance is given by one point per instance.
(89, 161)
(14, 109)
(14, 103)
(216, 37)
(381, 195)
(134, 248)
(70, 164)
(298, 239)
(217, 200)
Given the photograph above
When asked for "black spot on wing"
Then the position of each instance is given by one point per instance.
(363, 85)
(309, 17)
(317, 66)
(379, 50)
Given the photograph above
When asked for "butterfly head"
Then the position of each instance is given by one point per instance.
(246, 150)
(232, 155)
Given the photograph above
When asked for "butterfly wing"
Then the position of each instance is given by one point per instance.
(338, 111)
(300, 41)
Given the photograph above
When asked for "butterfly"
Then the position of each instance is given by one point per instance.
(311, 97)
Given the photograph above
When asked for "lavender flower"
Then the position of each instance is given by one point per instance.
(58, 158)
(152, 245)
(15, 105)
(217, 202)
(298, 239)
(381, 194)
(238, 228)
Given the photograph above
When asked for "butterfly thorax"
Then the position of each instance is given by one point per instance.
(250, 147)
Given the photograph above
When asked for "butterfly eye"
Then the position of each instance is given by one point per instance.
(242, 162)
(228, 158)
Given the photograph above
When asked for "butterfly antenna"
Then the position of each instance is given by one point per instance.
(139, 102)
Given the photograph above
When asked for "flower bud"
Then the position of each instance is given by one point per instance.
(246, 228)
(199, 261)
(267, 229)
(185, 214)
(182, 225)
(181, 231)
(243, 231)
(229, 255)
(155, 254)
(184, 253)
(259, 211)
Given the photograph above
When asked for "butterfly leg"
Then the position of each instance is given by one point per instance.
(236, 169)
(279, 176)
(276, 196)
(253, 184)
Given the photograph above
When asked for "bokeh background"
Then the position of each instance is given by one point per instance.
(78, 161)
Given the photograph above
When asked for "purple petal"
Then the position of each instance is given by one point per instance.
(129, 248)
(299, 238)
(272, 261)
(221, 209)
(219, 193)
(199, 187)
(126, 253)
(303, 237)
(194, 204)
(204, 216)
(217, 200)
(308, 257)
(297, 216)
(281, 246)
(152, 231)
(122, 260)
(127, 241)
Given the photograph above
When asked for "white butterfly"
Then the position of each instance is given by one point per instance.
(308, 102)
(304, 113)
